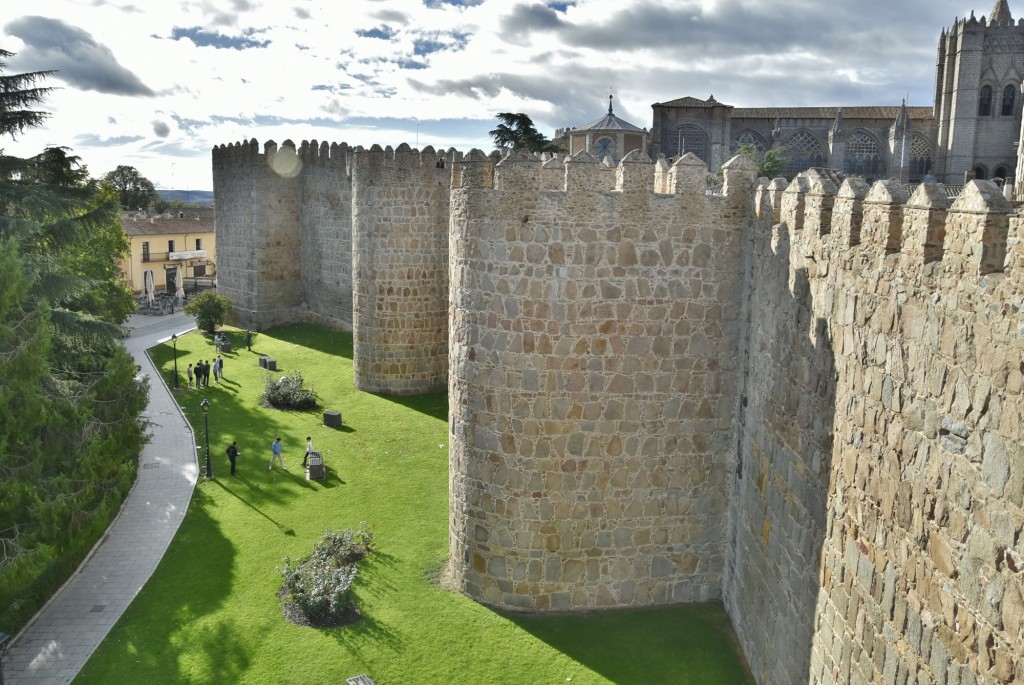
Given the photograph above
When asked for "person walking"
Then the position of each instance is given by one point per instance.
(309, 450)
(189, 374)
(233, 455)
(275, 453)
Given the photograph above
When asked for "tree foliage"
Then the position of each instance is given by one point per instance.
(517, 132)
(209, 310)
(70, 406)
(135, 190)
(770, 163)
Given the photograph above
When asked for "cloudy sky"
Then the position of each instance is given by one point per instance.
(155, 84)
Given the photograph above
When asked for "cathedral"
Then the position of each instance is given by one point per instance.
(971, 130)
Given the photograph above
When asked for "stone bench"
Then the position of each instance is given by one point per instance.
(332, 419)
(268, 363)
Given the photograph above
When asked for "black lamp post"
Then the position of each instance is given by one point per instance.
(205, 404)
(174, 340)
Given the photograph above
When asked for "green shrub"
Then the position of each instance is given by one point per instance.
(317, 590)
(287, 392)
(209, 310)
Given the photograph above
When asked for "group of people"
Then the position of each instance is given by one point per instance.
(276, 453)
(201, 372)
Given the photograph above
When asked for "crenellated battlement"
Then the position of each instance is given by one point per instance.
(800, 399)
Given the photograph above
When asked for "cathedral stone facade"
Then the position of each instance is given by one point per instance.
(969, 132)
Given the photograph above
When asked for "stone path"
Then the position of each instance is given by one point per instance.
(64, 634)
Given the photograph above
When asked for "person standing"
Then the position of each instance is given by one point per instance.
(233, 455)
(248, 340)
(189, 374)
(200, 366)
(220, 367)
(216, 371)
(275, 453)
(309, 450)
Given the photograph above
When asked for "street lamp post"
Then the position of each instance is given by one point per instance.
(205, 404)
(174, 340)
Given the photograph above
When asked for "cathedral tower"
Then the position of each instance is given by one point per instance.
(977, 95)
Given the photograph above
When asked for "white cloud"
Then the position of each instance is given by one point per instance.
(316, 78)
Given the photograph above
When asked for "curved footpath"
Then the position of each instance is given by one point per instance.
(58, 641)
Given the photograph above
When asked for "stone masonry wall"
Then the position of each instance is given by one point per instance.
(258, 216)
(400, 267)
(594, 381)
(897, 537)
(326, 268)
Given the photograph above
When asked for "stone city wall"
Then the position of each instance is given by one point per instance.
(594, 379)
(400, 267)
(804, 400)
(878, 504)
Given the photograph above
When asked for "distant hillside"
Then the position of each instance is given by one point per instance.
(196, 197)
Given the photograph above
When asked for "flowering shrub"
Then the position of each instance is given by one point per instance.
(287, 392)
(318, 588)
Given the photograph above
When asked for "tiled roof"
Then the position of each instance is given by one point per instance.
(135, 223)
(889, 112)
(692, 102)
(609, 122)
(869, 112)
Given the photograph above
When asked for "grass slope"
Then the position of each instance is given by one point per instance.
(210, 613)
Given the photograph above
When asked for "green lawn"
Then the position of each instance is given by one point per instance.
(210, 614)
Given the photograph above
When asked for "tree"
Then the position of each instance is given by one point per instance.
(209, 310)
(770, 164)
(517, 132)
(136, 191)
(70, 428)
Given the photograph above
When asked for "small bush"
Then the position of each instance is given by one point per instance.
(317, 590)
(287, 392)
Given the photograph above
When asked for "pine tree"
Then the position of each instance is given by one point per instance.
(69, 402)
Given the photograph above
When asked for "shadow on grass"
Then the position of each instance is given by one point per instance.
(332, 343)
(434, 405)
(173, 603)
(683, 645)
(228, 488)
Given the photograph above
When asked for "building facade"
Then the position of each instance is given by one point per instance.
(969, 132)
(169, 249)
(609, 136)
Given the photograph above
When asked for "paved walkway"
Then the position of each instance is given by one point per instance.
(64, 634)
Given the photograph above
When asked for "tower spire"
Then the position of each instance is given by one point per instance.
(1000, 13)
(610, 96)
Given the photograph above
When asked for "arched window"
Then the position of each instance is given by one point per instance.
(980, 173)
(690, 138)
(985, 102)
(920, 158)
(750, 138)
(1000, 172)
(862, 155)
(1009, 98)
(804, 152)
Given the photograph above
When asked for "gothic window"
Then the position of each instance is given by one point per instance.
(862, 155)
(1009, 97)
(690, 138)
(920, 158)
(985, 102)
(750, 138)
(804, 152)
